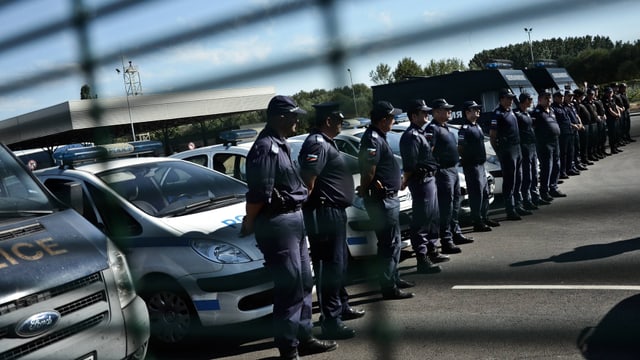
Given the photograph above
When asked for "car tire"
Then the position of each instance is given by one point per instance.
(172, 316)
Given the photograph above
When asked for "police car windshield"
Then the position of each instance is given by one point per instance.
(20, 194)
(173, 188)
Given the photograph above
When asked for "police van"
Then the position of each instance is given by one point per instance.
(457, 87)
(65, 289)
(179, 225)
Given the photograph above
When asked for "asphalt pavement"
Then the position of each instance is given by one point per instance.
(559, 284)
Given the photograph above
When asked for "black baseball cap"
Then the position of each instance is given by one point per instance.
(281, 105)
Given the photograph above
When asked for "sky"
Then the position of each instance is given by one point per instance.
(287, 52)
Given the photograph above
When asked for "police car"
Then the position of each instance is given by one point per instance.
(349, 141)
(179, 225)
(230, 159)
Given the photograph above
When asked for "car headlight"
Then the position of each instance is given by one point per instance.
(122, 275)
(220, 252)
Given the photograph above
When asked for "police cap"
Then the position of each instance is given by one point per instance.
(441, 104)
(384, 108)
(417, 105)
(558, 93)
(281, 105)
(578, 92)
(506, 93)
(471, 104)
(326, 109)
(524, 96)
(608, 90)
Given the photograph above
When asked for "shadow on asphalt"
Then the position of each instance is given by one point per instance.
(588, 252)
(616, 336)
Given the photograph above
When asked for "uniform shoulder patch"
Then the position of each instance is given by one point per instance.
(374, 134)
(319, 138)
(274, 148)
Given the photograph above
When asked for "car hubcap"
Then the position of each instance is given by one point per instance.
(169, 315)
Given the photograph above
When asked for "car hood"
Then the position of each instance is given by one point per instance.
(41, 253)
(221, 224)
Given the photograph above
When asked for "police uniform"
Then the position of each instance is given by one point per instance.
(547, 132)
(445, 151)
(626, 125)
(527, 191)
(601, 130)
(473, 157)
(326, 221)
(279, 230)
(505, 125)
(584, 134)
(566, 135)
(612, 120)
(418, 161)
(382, 203)
(592, 129)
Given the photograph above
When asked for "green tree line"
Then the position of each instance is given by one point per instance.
(591, 59)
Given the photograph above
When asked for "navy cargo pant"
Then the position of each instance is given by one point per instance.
(282, 241)
(527, 189)
(425, 219)
(510, 161)
(448, 183)
(478, 189)
(549, 158)
(327, 232)
(384, 215)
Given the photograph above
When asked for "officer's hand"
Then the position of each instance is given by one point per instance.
(359, 191)
(246, 228)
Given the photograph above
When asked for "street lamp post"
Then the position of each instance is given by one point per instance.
(528, 30)
(353, 92)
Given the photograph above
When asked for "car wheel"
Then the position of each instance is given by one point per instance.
(171, 316)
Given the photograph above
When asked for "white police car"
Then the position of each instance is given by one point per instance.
(179, 226)
(230, 159)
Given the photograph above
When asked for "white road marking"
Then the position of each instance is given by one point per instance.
(547, 287)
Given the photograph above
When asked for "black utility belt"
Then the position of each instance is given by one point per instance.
(381, 194)
(279, 211)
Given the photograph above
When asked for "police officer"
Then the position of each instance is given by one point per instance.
(472, 158)
(527, 190)
(585, 131)
(612, 114)
(419, 168)
(275, 196)
(593, 141)
(331, 191)
(626, 116)
(547, 132)
(444, 145)
(566, 135)
(379, 185)
(602, 123)
(505, 139)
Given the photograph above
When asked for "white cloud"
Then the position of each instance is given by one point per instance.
(307, 44)
(236, 52)
(16, 104)
(385, 19)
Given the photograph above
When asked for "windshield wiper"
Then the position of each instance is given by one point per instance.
(189, 208)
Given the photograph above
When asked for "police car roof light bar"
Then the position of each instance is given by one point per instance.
(108, 151)
(233, 136)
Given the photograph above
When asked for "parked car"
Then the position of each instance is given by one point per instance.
(349, 142)
(66, 291)
(179, 225)
(230, 159)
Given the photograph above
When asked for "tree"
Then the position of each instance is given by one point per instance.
(443, 66)
(407, 68)
(381, 75)
(85, 93)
